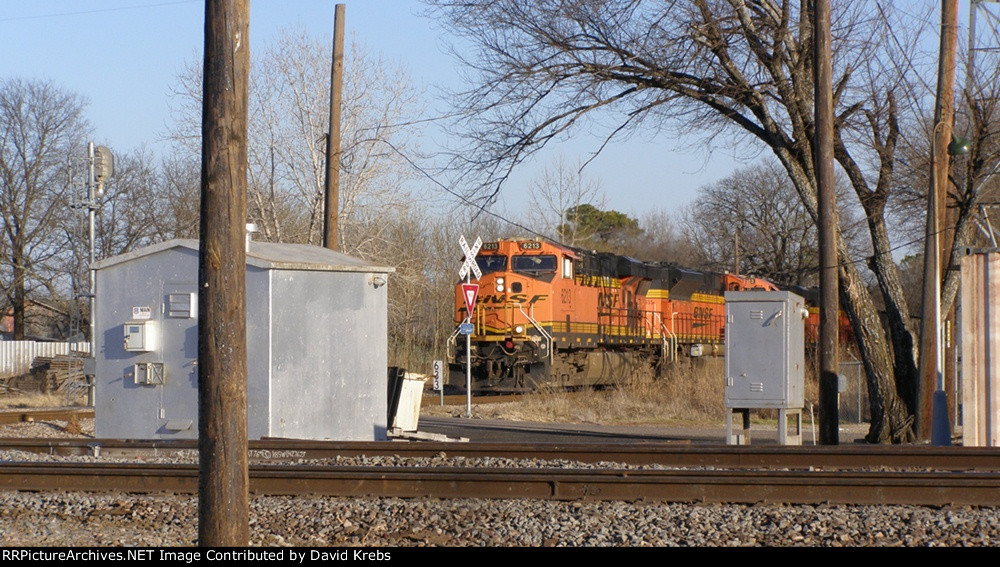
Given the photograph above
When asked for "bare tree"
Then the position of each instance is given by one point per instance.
(972, 188)
(752, 222)
(128, 210)
(178, 198)
(41, 127)
(289, 106)
(665, 239)
(558, 189)
(735, 71)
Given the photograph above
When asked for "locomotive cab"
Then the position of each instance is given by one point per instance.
(511, 338)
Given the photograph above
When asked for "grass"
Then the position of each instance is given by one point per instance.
(73, 426)
(688, 392)
(37, 400)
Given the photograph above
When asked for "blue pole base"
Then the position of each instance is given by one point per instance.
(940, 426)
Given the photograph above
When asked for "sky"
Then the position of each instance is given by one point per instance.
(124, 56)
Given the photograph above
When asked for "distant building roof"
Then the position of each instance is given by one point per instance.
(265, 255)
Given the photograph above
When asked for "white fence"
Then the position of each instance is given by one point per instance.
(16, 356)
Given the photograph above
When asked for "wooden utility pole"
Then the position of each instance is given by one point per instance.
(829, 308)
(736, 252)
(930, 389)
(223, 482)
(332, 185)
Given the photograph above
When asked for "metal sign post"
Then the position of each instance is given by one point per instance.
(469, 265)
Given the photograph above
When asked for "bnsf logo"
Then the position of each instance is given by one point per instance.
(490, 299)
(608, 300)
(703, 313)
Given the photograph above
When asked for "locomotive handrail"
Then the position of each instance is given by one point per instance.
(541, 331)
(672, 342)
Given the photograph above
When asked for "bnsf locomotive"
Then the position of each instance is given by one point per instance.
(548, 314)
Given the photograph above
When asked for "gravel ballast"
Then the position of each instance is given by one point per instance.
(75, 519)
(80, 519)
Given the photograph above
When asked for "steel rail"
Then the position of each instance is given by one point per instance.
(8, 416)
(743, 486)
(667, 454)
(17, 415)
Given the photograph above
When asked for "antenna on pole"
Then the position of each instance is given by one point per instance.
(101, 166)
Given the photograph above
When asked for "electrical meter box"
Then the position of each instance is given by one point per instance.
(765, 349)
(140, 336)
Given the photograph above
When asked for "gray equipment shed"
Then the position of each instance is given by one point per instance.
(316, 344)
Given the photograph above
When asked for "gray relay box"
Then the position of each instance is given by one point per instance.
(765, 349)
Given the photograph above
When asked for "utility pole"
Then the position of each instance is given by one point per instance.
(332, 184)
(223, 482)
(930, 388)
(736, 252)
(829, 412)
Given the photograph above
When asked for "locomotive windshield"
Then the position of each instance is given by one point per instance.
(534, 264)
(489, 264)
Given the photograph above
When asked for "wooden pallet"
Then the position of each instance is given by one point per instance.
(58, 373)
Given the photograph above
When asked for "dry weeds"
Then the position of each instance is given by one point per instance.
(688, 392)
(37, 400)
(73, 425)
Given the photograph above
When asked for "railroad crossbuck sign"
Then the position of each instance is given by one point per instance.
(470, 259)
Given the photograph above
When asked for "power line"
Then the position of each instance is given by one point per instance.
(481, 208)
(902, 50)
(98, 11)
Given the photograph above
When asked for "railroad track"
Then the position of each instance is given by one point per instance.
(675, 485)
(914, 475)
(461, 399)
(42, 414)
(845, 474)
(830, 458)
(8, 416)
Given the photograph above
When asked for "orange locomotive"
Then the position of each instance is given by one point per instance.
(548, 314)
(811, 295)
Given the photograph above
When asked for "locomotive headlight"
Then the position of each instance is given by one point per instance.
(500, 285)
(519, 329)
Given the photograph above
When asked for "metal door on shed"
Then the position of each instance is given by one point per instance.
(179, 346)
